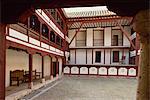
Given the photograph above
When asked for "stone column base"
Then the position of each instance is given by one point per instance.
(43, 80)
(57, 76)
(51, 77)
(30, 85)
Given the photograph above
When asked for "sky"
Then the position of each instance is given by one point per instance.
(82, 9)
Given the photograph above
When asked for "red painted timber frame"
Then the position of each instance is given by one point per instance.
(2, 60)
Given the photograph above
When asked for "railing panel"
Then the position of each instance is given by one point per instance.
(74, 70)
(112, 71)
(101, 70)
(83, 70)
(93, 70)
(122, 71)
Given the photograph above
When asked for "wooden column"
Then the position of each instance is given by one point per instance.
(2, 60)
(30, 85)
(141, 26)
(51, 67)
(42, 66)
(57, 67)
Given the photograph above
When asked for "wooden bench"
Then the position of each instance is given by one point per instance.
(16, 75)
(35, 75)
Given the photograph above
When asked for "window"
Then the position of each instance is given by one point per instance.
(98, 56)
(45, 30)
(34, 23)
(52, 36)
(115, 56)
(58, 40)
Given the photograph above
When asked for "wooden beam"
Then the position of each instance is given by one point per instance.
(127, 35)
(76, 33)
(2, 60)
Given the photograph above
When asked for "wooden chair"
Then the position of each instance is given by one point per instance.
(35, 75)
(16, 75)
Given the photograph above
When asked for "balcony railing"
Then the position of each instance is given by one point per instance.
(119, 42)
(101, 70)
(80, 43)
(98, 42)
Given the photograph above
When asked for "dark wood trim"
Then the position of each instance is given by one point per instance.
(86, 56)
(2, 60)
(30, 69)
(42, 66)
(51, 65)
(104, 56)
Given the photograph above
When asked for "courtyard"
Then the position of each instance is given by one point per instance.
(87, 88)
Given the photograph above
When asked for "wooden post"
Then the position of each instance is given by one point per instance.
(42, 66)
(30, 85)
(57, 67)
(141, 26)
(2, 60)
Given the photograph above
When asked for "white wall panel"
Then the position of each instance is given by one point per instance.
(122, 71)
(47, 66)
(112, 71)
(34, 41)
(67, 70)
(92, 70)
(103, 71)
(72, 57)
(107, 36)
(132, 72)
(89, 37)
(80, 56)
(18, 35)
(83, 70)
(89, 56)
(15, 60)
(37, 62)
(60, 66)
(44, 45)
(74, 70)
(107, 56)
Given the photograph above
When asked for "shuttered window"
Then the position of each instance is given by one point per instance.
(98, 56)
(115, 56)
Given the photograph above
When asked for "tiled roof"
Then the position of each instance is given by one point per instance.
(90, 13)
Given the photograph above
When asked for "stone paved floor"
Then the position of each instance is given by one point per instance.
(92, 88)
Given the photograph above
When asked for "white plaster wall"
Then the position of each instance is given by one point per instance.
(80, 56)
(37, 62)
(103, 71)
(60, 66)
(125, 40)
(107, 36)
(72, 57)
(47, 66)
(71, 33)
(102, 56)
(126, 53)
(107, 56)
(89, 56)
(89, 37)
(15, 60)
(112, 71)
(122, 71)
